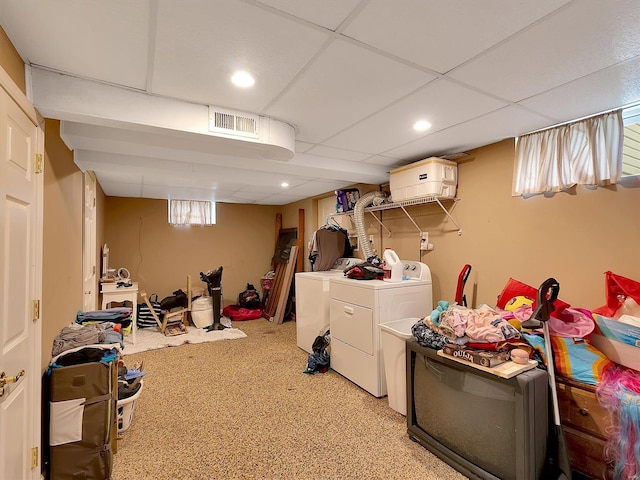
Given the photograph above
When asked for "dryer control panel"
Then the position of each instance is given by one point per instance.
(415, 270)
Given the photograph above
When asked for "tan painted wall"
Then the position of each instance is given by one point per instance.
(11, 61)
(160, 256)
(573, 237)
(62, 251)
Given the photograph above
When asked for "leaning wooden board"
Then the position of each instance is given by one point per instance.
(278, 317)
(505, 370)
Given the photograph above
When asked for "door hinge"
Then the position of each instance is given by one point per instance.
(38, 163)
(93, 269)
(34, 457)
(36, 310)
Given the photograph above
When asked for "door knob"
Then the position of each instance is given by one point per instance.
(5, 380)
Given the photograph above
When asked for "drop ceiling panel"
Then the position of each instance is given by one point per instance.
(442, 34)
(383, 161)
(94, 39)
(584, 37)
(616, 85)
(442, 103)
(323, 151)
(121, 189)
(196, 54)
(345, 83)
(496, 126)
(278, 199)
(328, 13)
(178, 193)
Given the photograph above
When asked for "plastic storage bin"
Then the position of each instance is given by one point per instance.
(429, 177)
(393, 336)
(125, 409)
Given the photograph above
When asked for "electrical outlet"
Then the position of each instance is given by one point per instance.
(424, 240)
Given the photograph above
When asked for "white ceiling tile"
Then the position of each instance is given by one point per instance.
(327, 13)
(178, 192)
(344, 84)
(324, 151)
(120, 188)
(95, 39)
(197, 49)
(303, 146)
(493, 127)
(444, 33)
(278, 199)
(442, 103)
(595, 93)
(383, 161)
(584, 37)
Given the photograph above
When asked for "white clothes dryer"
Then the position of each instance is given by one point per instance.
(356, 309)
(312, 301)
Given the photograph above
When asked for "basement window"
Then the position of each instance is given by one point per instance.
(631, 146)
(192, 212)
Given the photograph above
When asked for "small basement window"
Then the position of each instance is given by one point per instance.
(192, 212)
(631, 146)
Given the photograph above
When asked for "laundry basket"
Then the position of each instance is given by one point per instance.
(394, 336)
(125, 409)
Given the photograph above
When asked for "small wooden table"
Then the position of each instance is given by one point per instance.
(112, 293)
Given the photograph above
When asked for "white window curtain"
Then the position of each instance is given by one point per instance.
(191, 212)
(587, 152)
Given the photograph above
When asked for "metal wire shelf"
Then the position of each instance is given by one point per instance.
(409, 203)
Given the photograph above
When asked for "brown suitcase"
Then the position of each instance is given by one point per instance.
(81, 430)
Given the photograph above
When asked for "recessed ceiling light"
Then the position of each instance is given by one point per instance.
(284, 184)
(421, 125)
(243, 79)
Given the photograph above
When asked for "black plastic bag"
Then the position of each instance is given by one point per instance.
(250, 298)
(319, 361)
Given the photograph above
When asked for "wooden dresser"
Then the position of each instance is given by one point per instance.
(585, 425)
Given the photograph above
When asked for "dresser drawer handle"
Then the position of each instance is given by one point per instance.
(584, 412)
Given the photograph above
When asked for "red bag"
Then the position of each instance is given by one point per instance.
(237, 313)
(515, 288)
(617, 289)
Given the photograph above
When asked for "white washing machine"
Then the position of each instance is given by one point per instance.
(356, 309)
(312, 301)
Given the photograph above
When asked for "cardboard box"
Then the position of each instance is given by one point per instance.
(620, 342)
(429, 177)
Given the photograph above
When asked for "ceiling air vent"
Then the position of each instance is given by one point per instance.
(233, 123)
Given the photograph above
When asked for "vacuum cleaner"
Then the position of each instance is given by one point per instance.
(213, 279)
(557, 465)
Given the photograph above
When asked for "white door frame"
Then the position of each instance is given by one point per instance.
(89, 255)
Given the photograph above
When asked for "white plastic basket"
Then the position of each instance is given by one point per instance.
(125, 409)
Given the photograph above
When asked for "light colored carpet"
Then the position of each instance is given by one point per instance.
(245, 410)
(152, 339)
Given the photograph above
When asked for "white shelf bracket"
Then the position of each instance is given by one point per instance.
(381, 224)
(449, 215)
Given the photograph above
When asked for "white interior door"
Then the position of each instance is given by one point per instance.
(21, 141)
(89, 244)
